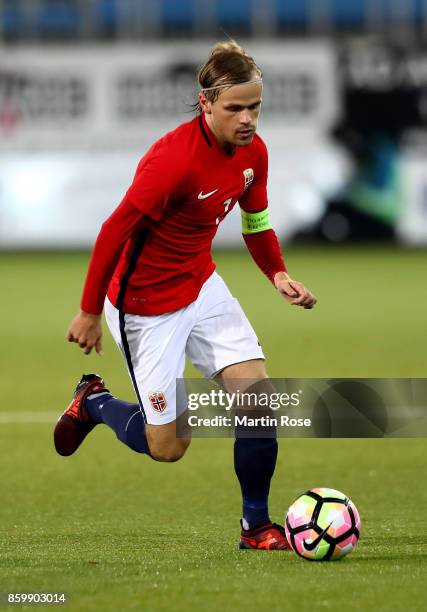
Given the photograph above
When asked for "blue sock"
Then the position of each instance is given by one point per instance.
(125, 419)
(254, 463)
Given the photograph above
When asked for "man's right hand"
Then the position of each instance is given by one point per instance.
(86, 330)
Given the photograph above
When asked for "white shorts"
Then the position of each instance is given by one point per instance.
(213, 331)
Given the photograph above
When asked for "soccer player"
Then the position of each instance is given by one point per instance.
(153, 273)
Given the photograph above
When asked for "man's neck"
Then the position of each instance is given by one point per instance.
(228, 147)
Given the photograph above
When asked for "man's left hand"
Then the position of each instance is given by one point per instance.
(293, 291)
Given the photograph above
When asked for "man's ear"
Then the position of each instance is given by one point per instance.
(205, 104)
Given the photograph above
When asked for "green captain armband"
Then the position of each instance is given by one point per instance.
(252, 223)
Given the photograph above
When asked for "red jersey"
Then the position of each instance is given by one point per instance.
(153, 253)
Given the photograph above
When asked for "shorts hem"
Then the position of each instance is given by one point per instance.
(170, 416)
(166, 421)
(250, 357)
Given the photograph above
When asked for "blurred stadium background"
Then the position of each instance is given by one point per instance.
(85, 87)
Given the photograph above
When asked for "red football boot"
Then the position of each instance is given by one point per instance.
(75, 423)
(267, 537)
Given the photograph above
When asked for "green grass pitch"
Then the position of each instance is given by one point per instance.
(117, 531)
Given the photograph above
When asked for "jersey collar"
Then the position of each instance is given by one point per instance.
(204, 128)
(210, 137)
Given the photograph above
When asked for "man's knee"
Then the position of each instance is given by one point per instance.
(169, 452)
(241, 376)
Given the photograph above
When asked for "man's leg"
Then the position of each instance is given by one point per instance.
(254, 457)
(124, 418)
(254, 460)
(224, 346)
(92, 404)
(154, 351)
(162, 440)
(129, 424)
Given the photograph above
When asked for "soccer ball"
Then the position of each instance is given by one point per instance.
(322, 525)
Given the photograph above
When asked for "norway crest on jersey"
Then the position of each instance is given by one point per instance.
(249, 177)
(157, 400)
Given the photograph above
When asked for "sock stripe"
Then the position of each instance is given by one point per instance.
(129, 362)
(134, 414)
(93, 395)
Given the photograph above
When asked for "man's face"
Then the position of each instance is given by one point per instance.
(233, 117)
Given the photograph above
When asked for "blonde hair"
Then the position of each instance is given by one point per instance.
(227, 64)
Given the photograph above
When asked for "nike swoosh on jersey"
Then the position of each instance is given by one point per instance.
(203, 196)
(312, 545)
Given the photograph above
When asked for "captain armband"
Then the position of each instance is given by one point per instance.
(252, 223)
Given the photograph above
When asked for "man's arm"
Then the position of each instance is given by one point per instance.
(261, 239)
(161, 176)
(265, 250)
(85, 329)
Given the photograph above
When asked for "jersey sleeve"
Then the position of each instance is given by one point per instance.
(160, 179)
(258, 234)
(266, 252)
(114, 234)
(255, 197)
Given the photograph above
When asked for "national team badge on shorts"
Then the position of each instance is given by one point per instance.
(157, 400)
(249, 177)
